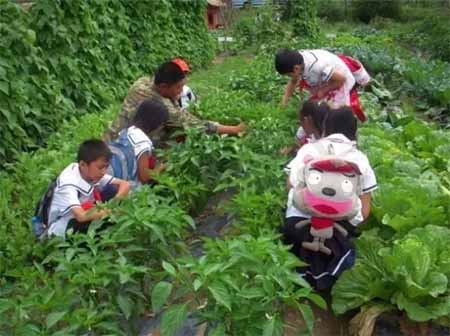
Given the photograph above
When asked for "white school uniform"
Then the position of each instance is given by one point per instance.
(341, 144)
(140, 143)
(70, 192)
(320, 66)
(187, 97)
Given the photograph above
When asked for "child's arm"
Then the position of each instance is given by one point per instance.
(336, 80)
(144, 174)
(124, 187)
(83, 216)
(290, 88)
(365, 204)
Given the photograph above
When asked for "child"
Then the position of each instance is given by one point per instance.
(132, 151)
(311, 116)
(325, 75)
(340, 133)
(187, 97)
(80, 185)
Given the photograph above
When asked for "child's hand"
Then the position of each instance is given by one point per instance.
(286, 150)
(160, 167)
(241, 128)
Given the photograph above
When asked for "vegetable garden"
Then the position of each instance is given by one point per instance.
(243, 283)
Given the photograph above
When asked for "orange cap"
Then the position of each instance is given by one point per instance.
(182, 64)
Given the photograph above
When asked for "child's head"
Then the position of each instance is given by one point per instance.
(312, 115)
(151, 115)
(288, 62)
(93, 159)
(341, 120)
(170, 79)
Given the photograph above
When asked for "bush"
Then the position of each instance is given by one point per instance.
(53, 57)
(366, 10)
(303, 17)
(337, 10)
(433, 36)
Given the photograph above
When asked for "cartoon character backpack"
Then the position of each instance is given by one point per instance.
(329, 191)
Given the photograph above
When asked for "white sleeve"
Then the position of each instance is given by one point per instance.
(369, 180)
(140, 141)
(326, 73)
(300, 133)
(105, 180)
(67, 199)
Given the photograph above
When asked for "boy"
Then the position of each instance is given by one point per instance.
(325, 75)
(80, 185)
(166, 87)
(132, 158)
(187, 96)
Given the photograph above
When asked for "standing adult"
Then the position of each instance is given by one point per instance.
(326, 76)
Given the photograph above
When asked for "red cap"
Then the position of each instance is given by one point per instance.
(182, 64)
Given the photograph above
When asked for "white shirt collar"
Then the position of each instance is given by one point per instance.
(72, 176)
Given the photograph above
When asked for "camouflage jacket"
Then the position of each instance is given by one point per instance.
(142, 89)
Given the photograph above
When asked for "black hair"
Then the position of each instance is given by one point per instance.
(151, 114)
(168, 73)
(341, 120)
(316, 111)
(286, 59)
(93, 149)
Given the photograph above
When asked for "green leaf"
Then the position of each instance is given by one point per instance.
(125, 305)
(169, 268)
(308, 316)
(157, 231)
(172, 319)
(4, 87)
(160, 294)
(273, 327)
(219, 330)
(220, 294)
(53, 318)
(197, 284)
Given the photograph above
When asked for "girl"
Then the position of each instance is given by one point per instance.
(340, 133)
(311, 117)
(133, 158)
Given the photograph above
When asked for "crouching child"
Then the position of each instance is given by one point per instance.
(133, 157)
(80, 186)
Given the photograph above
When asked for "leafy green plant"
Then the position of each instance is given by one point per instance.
(365, 10)
(240, 287)
(412, 274)
(61, 59)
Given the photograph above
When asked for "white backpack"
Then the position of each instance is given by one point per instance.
(329, 190)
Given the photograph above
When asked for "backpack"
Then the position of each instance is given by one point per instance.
(330, 185)
(123, 163)
(40, 220)
(328, 191)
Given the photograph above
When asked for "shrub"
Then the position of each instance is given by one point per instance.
(64, 58)
(366, 10)
(303, 17)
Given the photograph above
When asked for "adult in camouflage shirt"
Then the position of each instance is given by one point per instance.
(166, 87)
